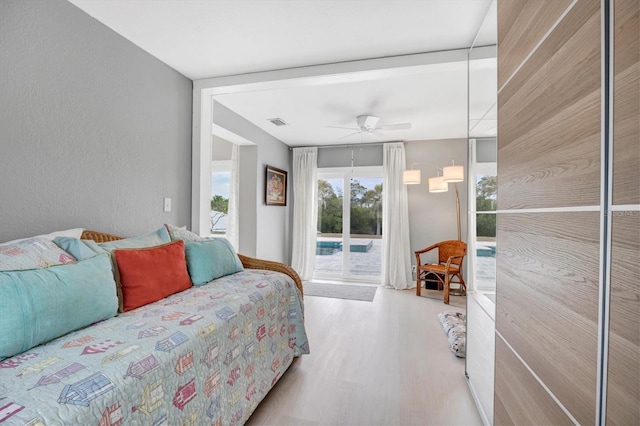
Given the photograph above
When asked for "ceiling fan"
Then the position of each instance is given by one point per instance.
(369, 124)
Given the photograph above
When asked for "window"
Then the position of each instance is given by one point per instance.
(220, 180)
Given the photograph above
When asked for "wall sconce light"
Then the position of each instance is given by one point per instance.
(453, 173)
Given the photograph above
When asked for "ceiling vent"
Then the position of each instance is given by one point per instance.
(278, 121)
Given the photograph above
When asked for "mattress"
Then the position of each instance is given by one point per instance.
(207, 355)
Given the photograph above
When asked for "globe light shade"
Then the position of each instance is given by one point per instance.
(411, 177)
(437, 184)
(453, 173)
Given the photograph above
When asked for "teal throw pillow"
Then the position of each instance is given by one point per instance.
(94, 246)
(211, 259)
(76, 247)
(159, 237)
(39, 305)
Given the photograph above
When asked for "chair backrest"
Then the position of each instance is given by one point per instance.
(449, 248)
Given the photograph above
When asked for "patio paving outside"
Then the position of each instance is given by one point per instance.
(362, 264)
(486, 268)
(370, 263)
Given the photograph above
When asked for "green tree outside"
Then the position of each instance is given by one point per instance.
(329, 209)
(486, 192)
(219, 209)
(220, 204)
(366, 209)
(372, 199)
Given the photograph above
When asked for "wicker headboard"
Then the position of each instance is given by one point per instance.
(99, 237)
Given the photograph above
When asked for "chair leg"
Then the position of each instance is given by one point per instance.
(418, 283)
(446, 289)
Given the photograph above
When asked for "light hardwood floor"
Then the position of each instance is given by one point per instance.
(385, 362)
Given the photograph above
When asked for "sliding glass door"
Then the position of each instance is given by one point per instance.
(349, 229)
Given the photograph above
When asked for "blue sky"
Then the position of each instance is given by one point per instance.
(220, 184)
(369, 182)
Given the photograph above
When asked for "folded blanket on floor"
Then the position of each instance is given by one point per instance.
(455, 326)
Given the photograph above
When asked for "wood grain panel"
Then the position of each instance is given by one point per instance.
(549, 119)
(623, 392)
(519, 398)
(547, 300)
(523, 24)
(626, 99)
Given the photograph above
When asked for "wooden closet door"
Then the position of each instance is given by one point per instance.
(548, 225)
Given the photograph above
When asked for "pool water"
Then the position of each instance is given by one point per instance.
(327, 251)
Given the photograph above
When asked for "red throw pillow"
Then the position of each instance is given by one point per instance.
(149, 274)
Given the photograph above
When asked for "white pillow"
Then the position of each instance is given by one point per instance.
(73, 233)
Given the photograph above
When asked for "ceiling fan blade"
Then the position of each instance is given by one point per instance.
(400, 126)
(340, 127)
(350, 134)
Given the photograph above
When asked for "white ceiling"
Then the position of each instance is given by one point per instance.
(215, 38)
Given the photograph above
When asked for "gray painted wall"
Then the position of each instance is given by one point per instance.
(263, 229)
(486, 150)
(247, 211)
(94, 131)
(274, 232)
(432, 216)
(341, 156)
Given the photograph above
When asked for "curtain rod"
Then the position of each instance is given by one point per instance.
(346, 146)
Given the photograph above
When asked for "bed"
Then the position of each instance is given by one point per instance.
(206, 355)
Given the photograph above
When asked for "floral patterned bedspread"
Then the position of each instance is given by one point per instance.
(207, 355)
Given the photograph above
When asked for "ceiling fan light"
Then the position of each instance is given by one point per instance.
(411, 177)
(367, 122)
(453, 173)
(437, 184)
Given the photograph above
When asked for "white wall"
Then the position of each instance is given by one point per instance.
(264, 230)
(220, 149)
(432, 216)
(94, 131)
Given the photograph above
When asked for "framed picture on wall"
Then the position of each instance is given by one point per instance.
(275, 191)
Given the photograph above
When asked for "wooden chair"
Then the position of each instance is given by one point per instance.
(447, 271)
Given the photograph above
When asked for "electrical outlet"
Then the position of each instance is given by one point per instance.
(167, 204)
(413, 268)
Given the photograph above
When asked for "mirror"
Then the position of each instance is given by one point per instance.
(481, 239)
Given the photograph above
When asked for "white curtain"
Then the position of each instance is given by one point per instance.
(305, 210)
(471, 220)
(396, 248)
(232, 212)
